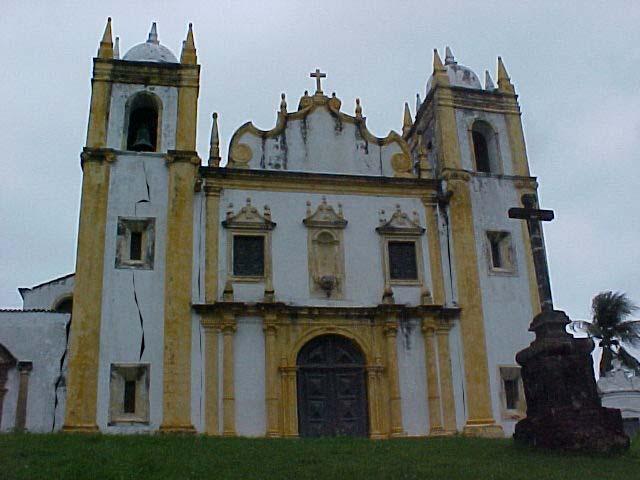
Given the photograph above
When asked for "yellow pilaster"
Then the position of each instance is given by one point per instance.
(177, 305)
(212, 235)
(271, 374)
(211, 329)
(435, 255)
(446, 381)
(478, 397)
(375, 393)
(228, 386)
(82, 383)
(433, 387)
(395, 403)
(289, 403)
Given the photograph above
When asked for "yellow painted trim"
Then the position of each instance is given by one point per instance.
(395, 400)
(446, 381)
(433, 384)
(177, 298)
(435, 253)
(84, 349)
(228, 387)
(519, 161)
(308, 183)
(212, 207)
(272, 396)
(211, 329)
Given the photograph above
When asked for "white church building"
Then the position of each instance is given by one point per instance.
(319, 281)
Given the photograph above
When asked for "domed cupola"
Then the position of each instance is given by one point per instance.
(151, 50)
(459, 75)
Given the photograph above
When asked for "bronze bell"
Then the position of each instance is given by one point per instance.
(143, 140)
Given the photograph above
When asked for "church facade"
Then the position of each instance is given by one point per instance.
(319, 281)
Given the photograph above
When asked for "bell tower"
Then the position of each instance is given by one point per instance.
(135, 241)
(469, 138)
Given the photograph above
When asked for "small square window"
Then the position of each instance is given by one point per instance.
(402, 261)
(136, 243)
(129, 394)
(500, 252)
(513, 401)
(248, 255)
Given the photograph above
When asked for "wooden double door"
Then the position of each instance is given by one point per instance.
(332, 394)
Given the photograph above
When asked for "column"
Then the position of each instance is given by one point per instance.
(271, 374)
(446, 382)
(435, 255)
(176, 408)
(433, 385)
(24, 368)
(211, 329)
(480, 421)
(395, 404)
(374, 376)
(212, 195)
(289, 399)
(228, 386)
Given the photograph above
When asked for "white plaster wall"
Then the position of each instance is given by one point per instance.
(249, 377)
(320, 142)
(464, 121)
(412, 374)
(121, 92)
(457, 374)
(46, 296)
(38, 337)
(364, 279)
(506, 299)
(138, 188)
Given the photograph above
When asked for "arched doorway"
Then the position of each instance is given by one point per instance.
(332, 393)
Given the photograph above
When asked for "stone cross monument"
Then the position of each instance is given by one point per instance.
(563, 407)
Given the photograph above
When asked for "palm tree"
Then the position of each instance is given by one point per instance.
(613, 331)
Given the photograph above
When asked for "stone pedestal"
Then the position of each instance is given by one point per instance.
(563, 406)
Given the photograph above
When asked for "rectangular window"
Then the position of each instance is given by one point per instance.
(135, 247)
(248, 255)
(511, 393)
(135, 243)
(402, 261)
(500, 252)
(130, 396)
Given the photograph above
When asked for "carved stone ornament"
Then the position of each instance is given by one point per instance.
(241, 155)
(401, 164)
(248, 218)
(399, 224)
(324, 216)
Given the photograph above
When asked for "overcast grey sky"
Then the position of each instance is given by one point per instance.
(575, 65)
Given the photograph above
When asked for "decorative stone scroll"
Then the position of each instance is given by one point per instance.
(326, 249)
(400, 223)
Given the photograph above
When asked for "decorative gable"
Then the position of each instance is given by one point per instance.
(400, 223)
(248, 218)
(324, 216)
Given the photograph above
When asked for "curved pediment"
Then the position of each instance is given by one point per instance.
(320, 138)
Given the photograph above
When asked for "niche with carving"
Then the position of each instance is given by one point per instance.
(325, 244)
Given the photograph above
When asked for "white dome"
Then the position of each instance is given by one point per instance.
(459, 75)
(151, 50)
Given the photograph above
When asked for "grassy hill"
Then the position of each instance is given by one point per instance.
(158, 457)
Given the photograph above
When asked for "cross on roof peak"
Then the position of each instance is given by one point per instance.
(318, 75)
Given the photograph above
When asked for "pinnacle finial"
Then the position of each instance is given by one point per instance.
(418, 102)
(188, 55)
(449, 58)
(504, 82)
(214, 144)
(406, 120)
(283, 103)
(116, 49)
(153, 34)
(437, 61)
(488, 81)
(358, 108)
(106, 44)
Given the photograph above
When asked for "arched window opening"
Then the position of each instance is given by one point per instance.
(482, 152)
(485, 149)
(142, 132)
(65, 306)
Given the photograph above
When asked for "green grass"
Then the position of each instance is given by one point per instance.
(105, 457)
